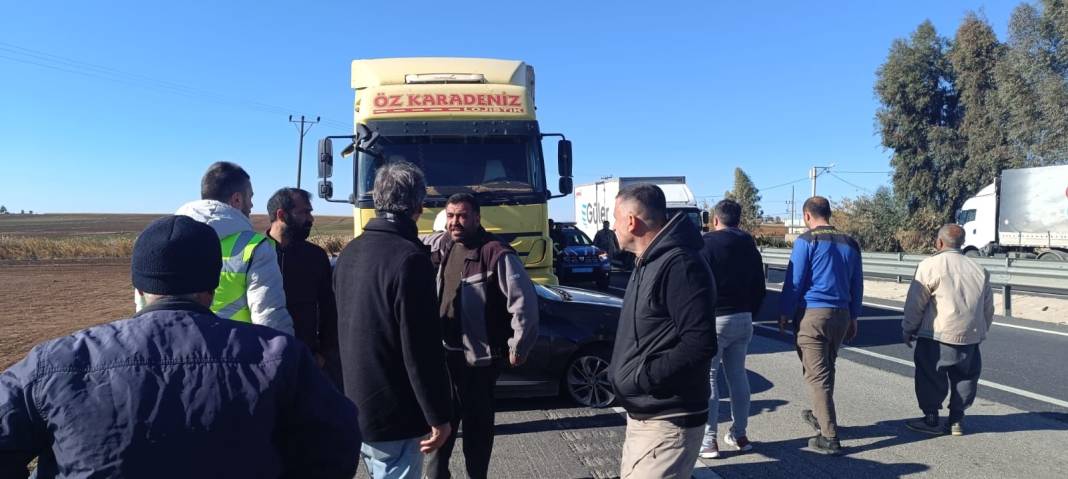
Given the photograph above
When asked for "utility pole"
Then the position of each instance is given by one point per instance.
(815, 172)
(792, 204)
(302, 131)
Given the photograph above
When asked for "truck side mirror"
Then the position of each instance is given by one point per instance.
(563, 153)
(567, 185)
(326, 189)
(326, 160)
(705, 218)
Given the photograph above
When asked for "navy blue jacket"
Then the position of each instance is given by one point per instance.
(174, 392)
(824, 272)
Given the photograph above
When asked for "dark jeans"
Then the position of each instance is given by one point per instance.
(474, 407)
(946, 368)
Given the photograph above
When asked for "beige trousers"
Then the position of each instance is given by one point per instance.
(658, 449)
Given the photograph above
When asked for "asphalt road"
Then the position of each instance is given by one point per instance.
(1030, 356)
(1009, 434)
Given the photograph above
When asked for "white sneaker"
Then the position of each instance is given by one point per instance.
(709, 447)
(742, 443)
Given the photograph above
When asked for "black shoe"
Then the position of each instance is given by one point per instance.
(810, 419)
(928, 424)
(825, 445)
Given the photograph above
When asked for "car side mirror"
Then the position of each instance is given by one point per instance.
(705, 217)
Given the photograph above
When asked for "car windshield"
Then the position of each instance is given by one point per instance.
(575, 237)
(460, 164)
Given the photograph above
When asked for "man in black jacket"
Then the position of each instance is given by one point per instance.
(391, 353)
(306, 276)
(739, 273)
(605, 239)
(666, 337)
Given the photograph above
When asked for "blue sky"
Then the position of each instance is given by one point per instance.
(641, 88)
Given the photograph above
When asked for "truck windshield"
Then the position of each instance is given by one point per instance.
(461, 164)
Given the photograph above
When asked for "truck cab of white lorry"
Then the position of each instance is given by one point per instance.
(1023, 214)
(978, 217)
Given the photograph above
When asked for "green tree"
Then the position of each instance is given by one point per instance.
(874, 221)
(975, 56)
(918, 119)
(3, 210)
(747, 195)
(1033, 83)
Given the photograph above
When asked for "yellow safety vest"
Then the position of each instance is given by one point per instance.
(231, 297)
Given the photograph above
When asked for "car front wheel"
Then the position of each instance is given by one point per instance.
(586, 380)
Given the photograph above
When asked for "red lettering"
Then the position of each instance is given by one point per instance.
(442, 100)
(381, 101)
(513, 100)
(469, 99)
(394, 100)
(482, 99)
(414, 100)
(493, 100)
(428, 99)
(455, 100)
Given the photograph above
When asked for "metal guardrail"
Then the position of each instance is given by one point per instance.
(1008, 273)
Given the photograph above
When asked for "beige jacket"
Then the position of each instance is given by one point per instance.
(950, 300)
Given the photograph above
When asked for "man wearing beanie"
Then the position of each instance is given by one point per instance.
(175, 391)
(251, 288)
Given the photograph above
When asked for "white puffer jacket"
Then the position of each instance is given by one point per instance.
(266, 295)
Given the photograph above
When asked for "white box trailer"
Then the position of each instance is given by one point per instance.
(594, 202)
(1024, 213)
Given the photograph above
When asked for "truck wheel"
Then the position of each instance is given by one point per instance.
(1051, 256)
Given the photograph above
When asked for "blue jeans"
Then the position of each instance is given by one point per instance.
(733, 334)
(393, 459)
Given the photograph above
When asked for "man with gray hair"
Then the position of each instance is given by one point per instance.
(949, 309)
(392, 360)
(666, 337)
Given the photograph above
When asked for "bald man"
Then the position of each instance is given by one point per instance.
(949, 308)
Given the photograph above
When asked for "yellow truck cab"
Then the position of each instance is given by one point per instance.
(470, 124)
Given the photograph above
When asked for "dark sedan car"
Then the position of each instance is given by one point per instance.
(575, 335)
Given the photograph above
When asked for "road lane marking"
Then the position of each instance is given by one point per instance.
(898, 308)
(982, 382)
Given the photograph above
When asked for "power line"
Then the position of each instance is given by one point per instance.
(843, 180)
(865, 172)
(784, 184)
(69, 65)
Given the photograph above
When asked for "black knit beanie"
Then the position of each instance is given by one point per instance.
(176, 255)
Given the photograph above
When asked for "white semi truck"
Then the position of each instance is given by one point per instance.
(594, 202)
(1024, 214)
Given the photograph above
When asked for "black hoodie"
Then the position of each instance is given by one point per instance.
(667, 330)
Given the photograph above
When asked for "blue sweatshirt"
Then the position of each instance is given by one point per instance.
(824, 272)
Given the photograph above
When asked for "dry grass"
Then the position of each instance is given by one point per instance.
(68, 247)
(333, 244)
(93, 236)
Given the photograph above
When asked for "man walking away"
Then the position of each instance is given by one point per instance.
(605, 239)
(391, 355)
(948, 311)
(250, 285)
(176, 391)
(822, 294)
(306, 275)
(739, 273)
(666, 337)
(489, 315)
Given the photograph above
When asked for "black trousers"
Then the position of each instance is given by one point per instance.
(946, 368)
(473, 407)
